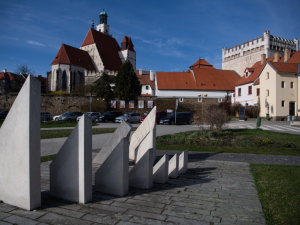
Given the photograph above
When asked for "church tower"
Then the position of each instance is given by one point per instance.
(103, 27)
(127, 51)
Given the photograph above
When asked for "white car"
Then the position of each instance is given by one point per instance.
(55, 118)
(91, 114)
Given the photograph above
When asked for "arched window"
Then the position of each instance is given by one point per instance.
(57, 80)
(64, 81)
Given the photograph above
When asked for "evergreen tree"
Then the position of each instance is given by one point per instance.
(127, 85)
(102, 88)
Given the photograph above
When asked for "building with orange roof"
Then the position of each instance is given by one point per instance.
(10, 82)
(202, 80)
(99, 53)
(245, 55)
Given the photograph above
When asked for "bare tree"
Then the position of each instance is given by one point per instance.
(24, 69)
(216, 117)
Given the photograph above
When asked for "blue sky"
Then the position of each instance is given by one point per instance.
(167, 35)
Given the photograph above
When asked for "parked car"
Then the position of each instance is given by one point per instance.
(45, 116)
(91, 114)
(129, 117)
(181, 118)
(3, 114)
(70, 116)
(55, 118)
(159, 115)
(108, 116)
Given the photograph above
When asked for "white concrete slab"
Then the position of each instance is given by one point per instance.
(71, 169)
(183, 162)
(160, 170)
(145, 133)
(20, 173)
(173, 166)
(112, 175)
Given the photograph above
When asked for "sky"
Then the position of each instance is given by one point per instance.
(168, 35)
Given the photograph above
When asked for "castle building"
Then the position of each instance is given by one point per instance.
(245, 55)
(99, 52)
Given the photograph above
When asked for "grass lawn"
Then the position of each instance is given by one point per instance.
(248, 141)
(278, 188)
(46, 134)
(47, 158)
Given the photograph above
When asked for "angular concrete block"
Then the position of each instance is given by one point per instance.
(173, 166)
(145, 133)
(20, 149)
(183, 162)
(141, 175)
(71, 169)
(112, 175)
(160, 170)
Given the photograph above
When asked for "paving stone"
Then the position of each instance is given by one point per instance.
(179, 209)
(200, 205)
(52, 218)
(142, 220)
(4, 223)
(150, 199)
(20, 220)
(132, 212)
(108, 208)
(4, 215)
(127, 223)
(138, 207)
(98, 219)
(186, 221)
(143, 203)
(28, 214)
(103, 213)
(7, 208)
(66, 212)
(74, 207)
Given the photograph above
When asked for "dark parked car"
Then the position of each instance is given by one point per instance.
(108, 116)
(3, 114)
(70, 116)
(129, 117)
(181, 118)
(45, 116)
(93, 115)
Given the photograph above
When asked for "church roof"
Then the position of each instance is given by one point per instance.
(202, 63)
(107, 47)
(129, 45)
(71, 55)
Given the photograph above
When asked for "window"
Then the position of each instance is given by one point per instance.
(267, 76)
(282, 103)
(239, 92)
(180, 99)
(267, 93)
(199, 99)
(219, 99)
(249, 90)
(282, 84)
(292, 84)
(147, 87)
(257, 91)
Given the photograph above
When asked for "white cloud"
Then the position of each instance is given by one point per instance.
(35, 43)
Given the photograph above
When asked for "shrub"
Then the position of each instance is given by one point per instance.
(97, 106)
(252, 111)
(215, 117)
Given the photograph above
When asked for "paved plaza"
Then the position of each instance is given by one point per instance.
(211, 192)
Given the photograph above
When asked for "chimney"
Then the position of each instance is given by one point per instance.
(151, 75)
(4, 71)
(141, 72)
(263, 58)
(276, 57)
(287, 54)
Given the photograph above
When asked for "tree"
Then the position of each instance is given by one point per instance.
(127, 85)
(102, 88)
(24, 69)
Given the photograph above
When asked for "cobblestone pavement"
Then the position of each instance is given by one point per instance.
(211, 192)
(238, 157)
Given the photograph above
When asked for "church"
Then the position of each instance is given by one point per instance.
(99, 52)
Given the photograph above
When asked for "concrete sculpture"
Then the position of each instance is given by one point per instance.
(160, 170)
(71, 169)
(112, 175)
(144, 136)
(173, 166)
(20, 173)
(183, 161)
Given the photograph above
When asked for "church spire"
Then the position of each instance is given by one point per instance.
(103, 27)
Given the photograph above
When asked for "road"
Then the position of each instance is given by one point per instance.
(52, 146)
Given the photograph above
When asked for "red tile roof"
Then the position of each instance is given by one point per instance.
(207, 79)
(256, 82)
(129, 45)
(107, 47)
(202, 63)
(146, 95)
(70, 55)
(145, 78)
(285, 67)
(295, 57)
(11, 76)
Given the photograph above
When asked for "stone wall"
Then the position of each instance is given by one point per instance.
(58, 104)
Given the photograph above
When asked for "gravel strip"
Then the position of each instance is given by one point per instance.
(249, 158)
